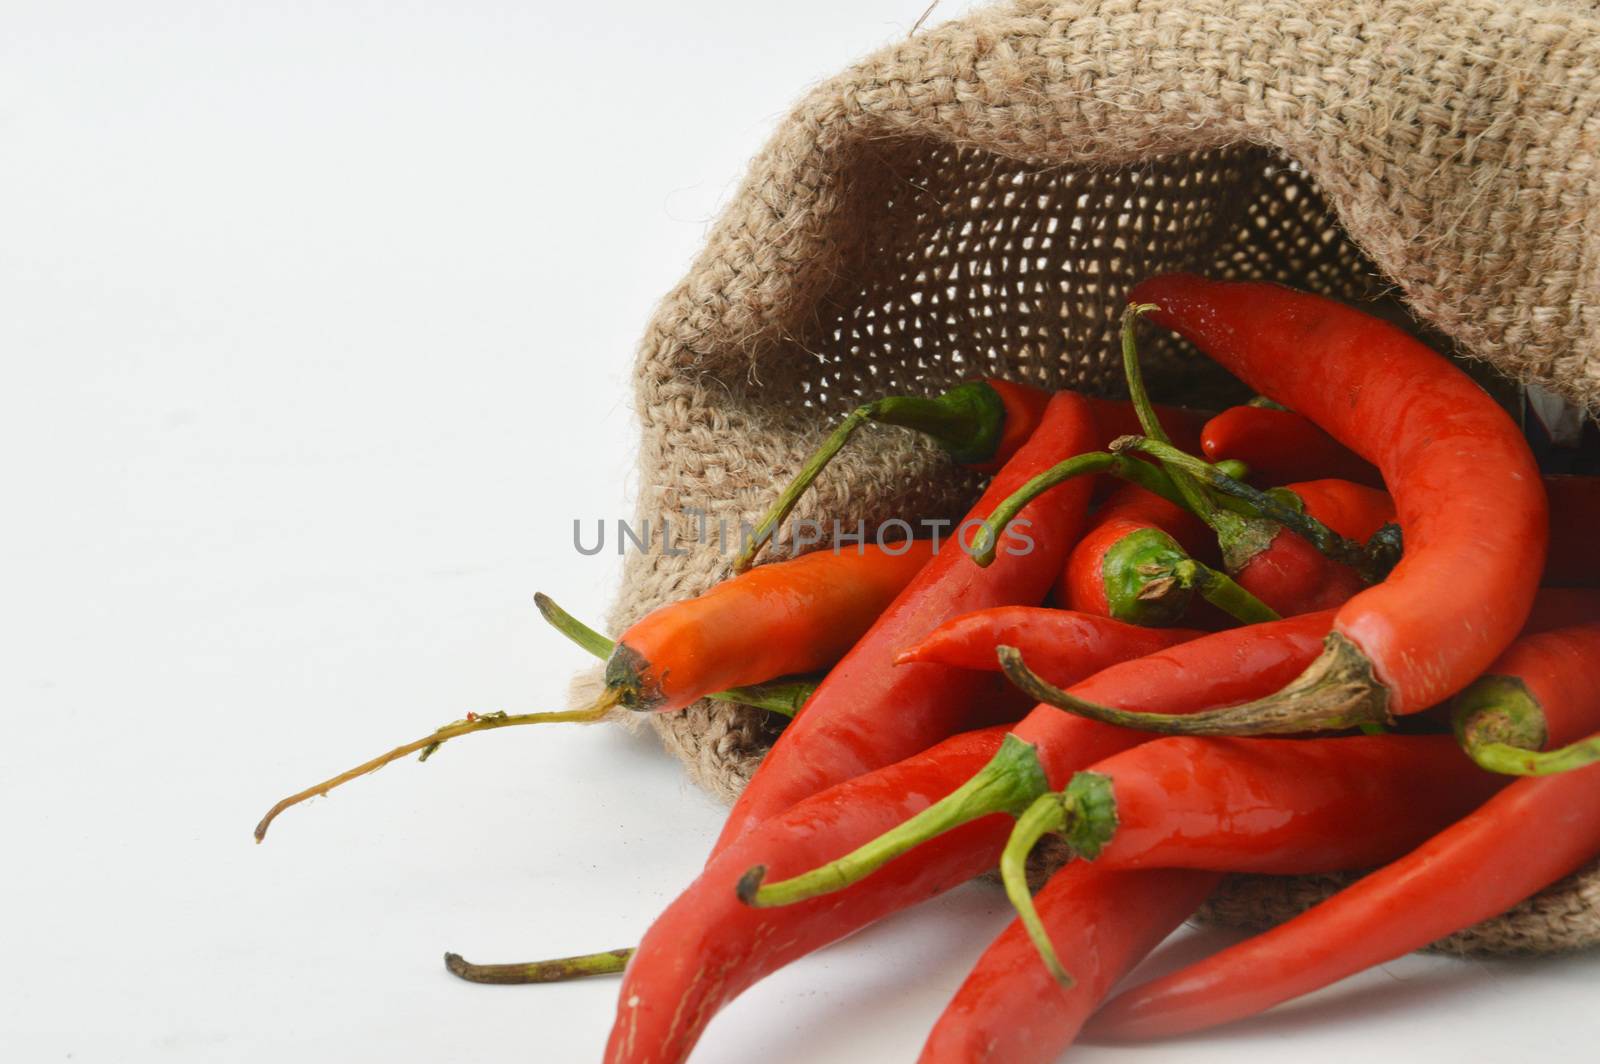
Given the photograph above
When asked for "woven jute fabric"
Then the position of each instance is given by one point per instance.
(977, 200)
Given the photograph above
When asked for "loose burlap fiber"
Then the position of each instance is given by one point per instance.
(979, 198)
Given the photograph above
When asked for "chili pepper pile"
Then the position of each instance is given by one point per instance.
(1346, 627)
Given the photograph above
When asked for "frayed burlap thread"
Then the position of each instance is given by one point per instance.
(978, 199)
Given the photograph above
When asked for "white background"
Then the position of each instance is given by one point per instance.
(317, 321)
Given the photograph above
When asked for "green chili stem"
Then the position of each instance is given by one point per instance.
(809, 472)
(968, 421)
(1501, 725)
(1319, 535)
(1007, 784)
(784, 697)
(1047, 815)
(574, 629)
(1195, 497)
(1085, 814)
(1223, 592)
(1515, 761)
(560, 970)
(1151, 478)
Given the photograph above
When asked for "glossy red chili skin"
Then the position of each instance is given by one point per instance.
(1526, 837)
(708, 947)
(1574, 527)
(1063, 646)
(1281, 446)
(1560, 669)
(783, 619)
(1353, 510)
(1011, 1010)
(1464, 483)
(1024, 411)
(1286, 806)
(869, 712)
(1291, 575)
(1129, 509)
(1221, 669)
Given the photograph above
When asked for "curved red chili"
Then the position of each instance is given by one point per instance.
(1065, 645)
(707, 946)
(1281, 446)
(868, 712)
(1010, 1009)
(1520, 841)
(1464, 483)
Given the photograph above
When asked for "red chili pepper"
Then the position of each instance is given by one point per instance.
(1464, 483)
(868, 712)
(1130, 566)
(708, 947)
(1011, 1010)
(1022, 406)
(1273, 806)
(1523, 839)
(783, 619)
(1350, 509)
(1281, 446)
(1123, 567)
(1066, 646)
(1526, 715)
(1045, 749)
(1292, 576)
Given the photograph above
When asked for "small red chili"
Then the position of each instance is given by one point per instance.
(1103, 922)
(1065, 645)
(1526, 837)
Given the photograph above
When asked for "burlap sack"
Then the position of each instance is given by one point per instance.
(978, 199)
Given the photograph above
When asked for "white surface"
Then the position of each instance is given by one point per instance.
(287, 293)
